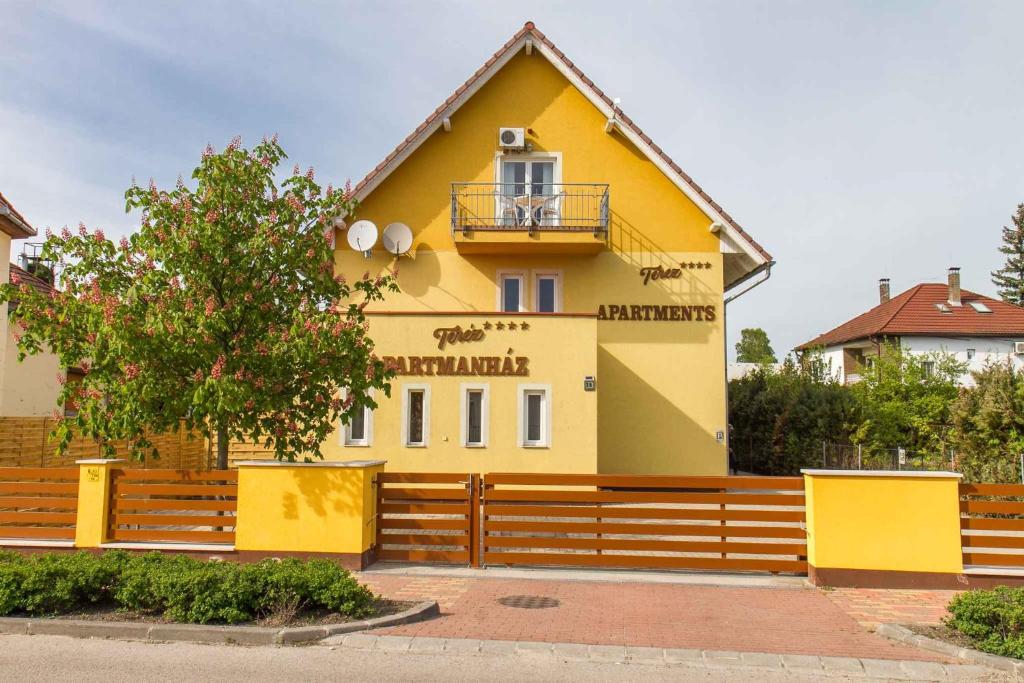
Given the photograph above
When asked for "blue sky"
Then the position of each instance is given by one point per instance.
(853, 140)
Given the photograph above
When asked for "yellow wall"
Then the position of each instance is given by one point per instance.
(898, 522)
(661, 385)
(561, 352)
(30, 387)
(319, 507)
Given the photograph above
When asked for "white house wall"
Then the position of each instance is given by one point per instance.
(986, 350)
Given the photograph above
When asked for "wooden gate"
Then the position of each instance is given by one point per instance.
(991, 525)
(722, 523)
(427, 517)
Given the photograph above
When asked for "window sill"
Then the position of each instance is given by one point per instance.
(415, 445)
(475, 446)
(355, 445)
(535, 446)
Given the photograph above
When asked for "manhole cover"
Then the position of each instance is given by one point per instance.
(528, 601)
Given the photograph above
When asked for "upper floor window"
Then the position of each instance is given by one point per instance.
(511, 294)
(359, 430)
(547, 292)
(928, 368)
(528, 195)
(970, 354)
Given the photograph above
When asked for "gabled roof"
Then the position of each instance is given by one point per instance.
(22, 276)
(12, 222)
(739, 239)
(915, 313)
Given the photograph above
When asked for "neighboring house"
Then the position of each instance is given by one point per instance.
(562, 302)
(28, 388)
(929, 317)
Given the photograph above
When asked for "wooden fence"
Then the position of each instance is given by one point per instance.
(38, 503)
(725, 523)
(25, 442)
(173, 505)
(992, 524)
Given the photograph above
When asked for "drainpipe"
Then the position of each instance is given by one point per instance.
(765, 268)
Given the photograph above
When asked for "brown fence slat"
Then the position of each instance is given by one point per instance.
(992, 490)
(647, 562)
(37, 487)
(534, 495)
(39, 517)
(177, 520)
(45, 532)
(450, 508)
(177, 489)
(415, 523)
(421, 478)
(445, 556)
(426, 539)
(990, 524)
(645, 529)
(424, 494)
(998, 559)
(174, 504)
(178, 475)
(57, 503)
(646, 545)
(48, 473)
(976, 541)
(155, 535)
(716, 514)
(640, 481)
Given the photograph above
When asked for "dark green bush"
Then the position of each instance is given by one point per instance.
(992, 619)
(181, 588)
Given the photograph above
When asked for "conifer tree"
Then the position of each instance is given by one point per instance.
(1010, 278)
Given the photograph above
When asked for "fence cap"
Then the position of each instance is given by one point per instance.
(906, 474)
(351, 464)
(99, 461)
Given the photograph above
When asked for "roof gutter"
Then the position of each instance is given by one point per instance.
(765, 268)
(6, 212)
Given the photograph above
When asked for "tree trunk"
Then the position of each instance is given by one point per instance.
(222, 448)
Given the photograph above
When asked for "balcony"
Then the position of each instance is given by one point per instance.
(529, 218)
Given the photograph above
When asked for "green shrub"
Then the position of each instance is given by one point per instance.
(181, 588)
(992, 619)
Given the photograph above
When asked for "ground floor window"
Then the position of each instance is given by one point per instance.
(534, 421)
(359, 430)
(415, 415)
(474, 414)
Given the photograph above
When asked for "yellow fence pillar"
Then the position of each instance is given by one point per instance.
(883, 529)
(92, 522)
(322, 508)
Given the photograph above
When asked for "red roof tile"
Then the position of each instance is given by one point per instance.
(915, 313)
(23, 276)
(620, 116)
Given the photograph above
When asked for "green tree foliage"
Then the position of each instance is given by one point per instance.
(1010, 278)
(904, 400)
(754, 347)
(222, 310)
(988, 425)
(780, 418)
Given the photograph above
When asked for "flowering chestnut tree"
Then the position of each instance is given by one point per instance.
(222, 313)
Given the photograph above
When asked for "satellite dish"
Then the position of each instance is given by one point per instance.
(362, 235)
(397, 238)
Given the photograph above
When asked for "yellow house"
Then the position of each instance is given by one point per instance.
(563, 296)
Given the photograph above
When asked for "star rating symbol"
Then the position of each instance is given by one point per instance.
(487, 324)
(500, 325)
(512, 326)
(707, 265)
(524, 325)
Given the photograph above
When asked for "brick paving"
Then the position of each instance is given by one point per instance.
(772, 620)
(875, 606)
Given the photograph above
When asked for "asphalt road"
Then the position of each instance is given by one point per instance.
(58, 658)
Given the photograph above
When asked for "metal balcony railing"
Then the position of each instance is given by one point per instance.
(528, 207)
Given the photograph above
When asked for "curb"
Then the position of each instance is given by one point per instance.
(754, 664)
(902, 634)
(199, 633)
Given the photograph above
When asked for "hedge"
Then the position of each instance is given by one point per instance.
(992, 619)
(175, 586)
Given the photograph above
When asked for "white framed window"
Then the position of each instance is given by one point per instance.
(511, 291)
(529, 188)
(359, 430)
(416, 415)
(970, 354)
(547, 291)
(534, 415)
(474, 415)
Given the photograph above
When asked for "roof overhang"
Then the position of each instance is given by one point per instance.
(12, 224)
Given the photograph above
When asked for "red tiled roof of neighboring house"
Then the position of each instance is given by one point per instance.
(620, 117)
(23, 229)
(915, 313)
(22, 276)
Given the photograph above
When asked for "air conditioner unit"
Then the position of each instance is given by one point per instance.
(512, 138)
(1018, 348)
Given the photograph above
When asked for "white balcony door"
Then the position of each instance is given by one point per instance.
(528, 194)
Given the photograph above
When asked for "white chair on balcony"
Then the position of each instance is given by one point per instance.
(508, 214)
